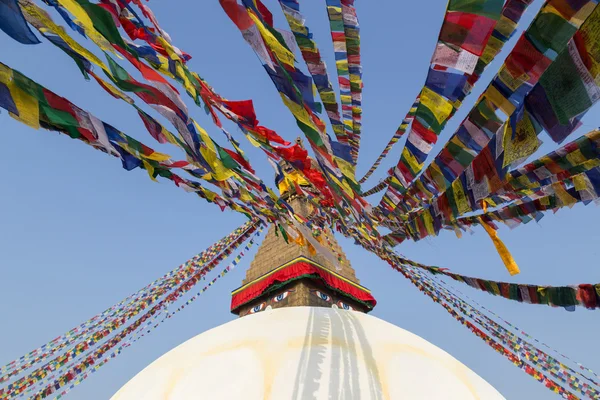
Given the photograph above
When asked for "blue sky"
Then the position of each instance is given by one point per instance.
(78, 233)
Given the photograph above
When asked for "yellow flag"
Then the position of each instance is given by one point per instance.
(462, 204)
(428, 223)
(189, 86)
(342, 66)
(27, 105)
(495, 288)
(328, 97)
(412, 162)
(437, 175)
(499, 100)
(505, 26)
(520, 144)
(347, 188)
(156, 156)
(210, 195)
(347, 169)
(41, 20)
(86, 23)
(209, 152)
(164, 66)
(5, 74)
(545, 201)
(244, 195)
(283, 55)
(252, 140)
(149, 169)
(439, 106)
(505, 255)
(299, 112)
(565, 198)
(579, 182)
(576, 157)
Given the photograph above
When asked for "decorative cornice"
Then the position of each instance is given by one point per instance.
(294, 261)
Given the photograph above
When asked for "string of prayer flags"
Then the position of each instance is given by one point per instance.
(352, 85)
(471, 36)
(59, 364)
(568, 297)
(162, 98)
(553, 197)
(567, 378)
(337, 167)
(446, 301)
(526, 63)
(377, 188)
(584, 295)
(36, 106)
(133, 302)
(316, 66)
(527, 209)
(152, 324)
(551, 372)
(143, 332)
(174, 66)
(338, 36)
(567, 162)
(235, 262)
(520, 331)
(397, 135)
(96, 329)
(477, 147)
(574, 161)
(547, 83)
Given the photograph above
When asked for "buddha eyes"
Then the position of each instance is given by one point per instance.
(276, 299)
(281, 296)
(344, 306)
(322, 296)
(257, 308)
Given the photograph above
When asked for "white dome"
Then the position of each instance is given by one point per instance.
(307, 353)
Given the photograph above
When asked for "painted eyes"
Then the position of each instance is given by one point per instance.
(323, 296)
(345, 306)
(257, 308)
(281, 296)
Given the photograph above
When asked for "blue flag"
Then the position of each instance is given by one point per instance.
(13, 23)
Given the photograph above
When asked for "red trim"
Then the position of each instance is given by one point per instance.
(254, 290)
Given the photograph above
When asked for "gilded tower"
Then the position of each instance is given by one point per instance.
(288, 274)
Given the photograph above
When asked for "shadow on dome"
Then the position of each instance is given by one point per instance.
(335, 364)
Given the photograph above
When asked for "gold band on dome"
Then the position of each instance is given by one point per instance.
(294, 261)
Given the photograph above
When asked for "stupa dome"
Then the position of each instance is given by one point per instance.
(307, 353)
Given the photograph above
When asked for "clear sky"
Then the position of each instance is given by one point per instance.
(78, 233)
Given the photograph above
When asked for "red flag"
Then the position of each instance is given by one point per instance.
(153, 127)
(145, 70)
(243, 108)
(240, 160)
(270, 135)
(62, 104)
(237, 14)
(294, 154)
(264, 12)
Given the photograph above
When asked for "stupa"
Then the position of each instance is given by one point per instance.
(304, 333)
